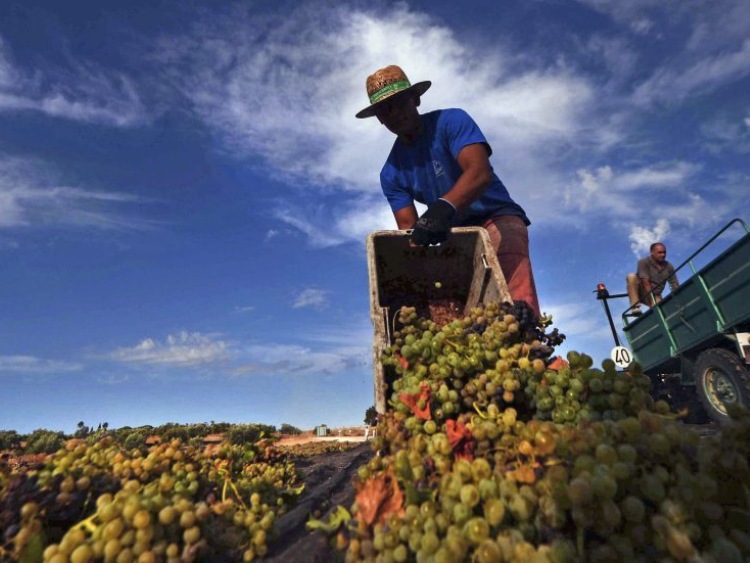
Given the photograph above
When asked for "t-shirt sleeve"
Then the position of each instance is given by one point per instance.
(460, 130)
(398, 196)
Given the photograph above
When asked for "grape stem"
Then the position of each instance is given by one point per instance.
(448, 341)
(479, 411)
(87, 523)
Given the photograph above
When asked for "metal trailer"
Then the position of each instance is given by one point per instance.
(463, 269)
(698, 336)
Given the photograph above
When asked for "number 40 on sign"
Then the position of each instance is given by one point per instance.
(621, 356)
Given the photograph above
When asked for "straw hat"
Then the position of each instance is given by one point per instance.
(386, 82)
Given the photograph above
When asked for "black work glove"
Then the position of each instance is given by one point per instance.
(433, 226)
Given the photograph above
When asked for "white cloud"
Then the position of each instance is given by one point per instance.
(289, 359)
(725, 134)
(82, 92)
(31, 364)
(245, 309)
(330, 350)
(661, 176)
(572, 319)
(30, 195)
(184, 349)
(672, 83)
(319, 232)
(277, 89)
(621, 193)
(641, 238)
(311, 297)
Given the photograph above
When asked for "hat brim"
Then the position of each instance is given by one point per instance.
(418, 89)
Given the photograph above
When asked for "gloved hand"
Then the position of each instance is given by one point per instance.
(433, 226)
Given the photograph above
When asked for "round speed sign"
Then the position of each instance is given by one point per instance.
(621, 356)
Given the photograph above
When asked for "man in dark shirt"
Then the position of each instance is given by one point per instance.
(647, 285)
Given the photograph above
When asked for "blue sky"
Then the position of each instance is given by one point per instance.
(185, 192)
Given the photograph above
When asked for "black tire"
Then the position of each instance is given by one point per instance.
(721, 378)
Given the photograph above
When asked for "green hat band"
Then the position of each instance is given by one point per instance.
(388, 90)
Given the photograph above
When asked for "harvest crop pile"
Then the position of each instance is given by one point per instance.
(174, 502)
(493, 450)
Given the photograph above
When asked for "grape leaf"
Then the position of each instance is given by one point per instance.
(378, 497)
(460, 439)
(413, 400)
(558, 363)
(335, 521)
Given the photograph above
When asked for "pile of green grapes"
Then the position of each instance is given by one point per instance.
(493, 450)
(102, 502)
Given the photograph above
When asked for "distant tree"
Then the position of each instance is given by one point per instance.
(134, 439)
(290, 430)
(174, 431)
(249, 433)
(82, 431)
(9, 439)
(219, 427)
(105, 425)
(44, 441)
(371, 416)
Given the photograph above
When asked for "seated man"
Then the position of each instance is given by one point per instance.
(653, 273)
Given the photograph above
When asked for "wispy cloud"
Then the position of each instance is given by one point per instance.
(31, 195)
(184, 349)
(705, 75)
(573, 319)
(330, 350)
(311, 222)
(311, 297)
(272, 88)
(295, 360)
(621, 192)
(641, 238)
(80, 92)
(31, 364)
(725, 134)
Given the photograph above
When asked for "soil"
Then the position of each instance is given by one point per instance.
(328, 484)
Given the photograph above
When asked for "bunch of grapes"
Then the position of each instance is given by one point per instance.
(494, 450)
(174, 502)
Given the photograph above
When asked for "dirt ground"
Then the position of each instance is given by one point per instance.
(328, 483)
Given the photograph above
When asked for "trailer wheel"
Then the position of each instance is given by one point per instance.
(721, 379)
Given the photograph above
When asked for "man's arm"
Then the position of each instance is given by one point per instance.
(433, 226)
(674, 283)
(475, 178)
(646, 283)
(405, 217)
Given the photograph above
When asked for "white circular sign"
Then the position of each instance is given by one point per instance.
(621, 356)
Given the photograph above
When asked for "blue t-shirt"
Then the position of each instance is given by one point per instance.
(428, 168)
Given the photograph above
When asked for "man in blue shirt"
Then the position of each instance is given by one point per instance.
(441, 159)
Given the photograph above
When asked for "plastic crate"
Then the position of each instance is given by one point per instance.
(464, 269)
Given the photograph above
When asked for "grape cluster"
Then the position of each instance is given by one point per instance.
(174, 502)
(494, 450)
